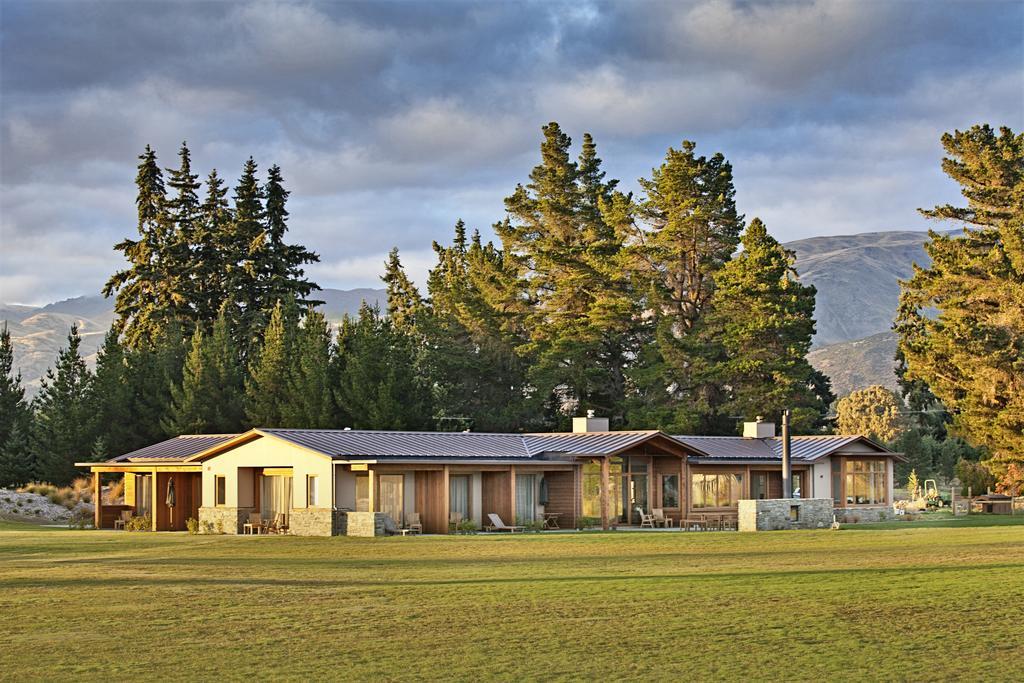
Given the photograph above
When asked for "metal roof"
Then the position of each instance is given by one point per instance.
(586, 443)
(380, 444)
(802, 448)
(177, 448)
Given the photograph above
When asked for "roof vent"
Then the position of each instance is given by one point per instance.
(759, 429)
(582, 425)
(348, 429)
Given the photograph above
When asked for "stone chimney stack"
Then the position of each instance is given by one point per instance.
(759, 429)
(582, 425)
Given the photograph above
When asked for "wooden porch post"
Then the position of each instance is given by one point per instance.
(445, 496)
(372, 482)
(512, 493)
(97, 500)
(154, 505)
(605, 476)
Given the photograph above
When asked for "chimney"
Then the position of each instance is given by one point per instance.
(758, 429)
(582, 425)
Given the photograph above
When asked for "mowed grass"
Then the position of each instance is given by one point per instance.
(901, 604)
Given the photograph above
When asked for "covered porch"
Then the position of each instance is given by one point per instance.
(147, 491)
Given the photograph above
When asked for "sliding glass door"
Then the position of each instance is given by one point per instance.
(526, 497)
(392, 496)
(458, 496)
(275, 496)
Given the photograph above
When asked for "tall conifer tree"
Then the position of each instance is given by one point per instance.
(310, 402)
(267, 386)
(16, 461)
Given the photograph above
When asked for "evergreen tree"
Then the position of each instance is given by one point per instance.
(242, 272)
(194, 404)
(311, 403)
(212, 250)
(267, 386)
(478, 378)
(184, 214)
(686, 229)
(152, 371)
(16, 461)
(378, 386)
(969, 354)
(559, 244)
(764, 318)
(112, 399)
(405, 305)
(62, 430)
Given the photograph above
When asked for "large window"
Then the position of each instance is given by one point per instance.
(670, 491)
(392, 497)
(458, 495)
(716, 490)
(312, 490)
(275, 496)
(865, 482)
(592, 488)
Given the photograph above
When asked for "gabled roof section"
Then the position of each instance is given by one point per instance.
(594, 443)
(802, 448)
(176, 449)
(354, 443)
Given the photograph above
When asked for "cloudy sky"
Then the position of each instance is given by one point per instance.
(393, 119)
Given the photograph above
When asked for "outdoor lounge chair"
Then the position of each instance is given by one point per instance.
(254, 525)
(279, 525)
(645, 519)
(123, 520)
(498, 525)
(660, 519)
(413, 523)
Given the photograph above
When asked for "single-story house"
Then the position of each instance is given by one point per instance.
(327, 481)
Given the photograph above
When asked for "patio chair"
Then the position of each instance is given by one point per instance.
(660, 519)
(692, 524)
(279, 525)
(413, 523)
(498, 525)
(123, 520)
(454, 520)
(254, 525)
(645, 519)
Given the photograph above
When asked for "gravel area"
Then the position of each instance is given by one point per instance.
(34, 507)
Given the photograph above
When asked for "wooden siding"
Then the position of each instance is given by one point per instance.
(430, 501)
(187, 496)
(665, 466)
(497, 496)
(561, 497)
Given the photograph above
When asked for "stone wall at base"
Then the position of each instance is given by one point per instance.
(223, 520)
(872, 514)
(785, 513)
(359, 523)
(311, 522)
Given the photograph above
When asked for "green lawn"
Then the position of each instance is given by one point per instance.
(906, 603)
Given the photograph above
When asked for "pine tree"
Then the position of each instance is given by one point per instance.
(212, 251)
(184, 213)
(969, 354)
(142, 302)
(557, 240)
(62, 428)
(194, 403)
(152, 371)
(764, 318)
(405, 305)
(279, 265)
(267, 386)
(378, 386)
(112, 399)
(16, 461)
(311, 403)
(686, 229)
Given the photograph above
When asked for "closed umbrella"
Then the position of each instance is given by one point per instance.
(172, 500)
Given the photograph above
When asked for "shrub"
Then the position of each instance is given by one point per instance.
(587, 522)
(81, 519)
(467, 526)
(192, 524)
(140, 523)
(115, 493)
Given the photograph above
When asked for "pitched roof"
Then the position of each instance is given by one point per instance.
(380, 444)
(177, 448)
(802, 448)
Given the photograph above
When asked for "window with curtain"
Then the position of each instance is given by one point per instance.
(865, 482)
(592, 488)
(275, 496)
(526, 497)
(312, 492)
(362, 493)
(716, 490)
(392, 496)
(670, 491)
(458, 495)
(144, 494)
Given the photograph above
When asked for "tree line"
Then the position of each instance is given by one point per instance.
(639, 307)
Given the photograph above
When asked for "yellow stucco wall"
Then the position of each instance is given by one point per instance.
(266, 451)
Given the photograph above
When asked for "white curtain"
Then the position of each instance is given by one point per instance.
(526, 501)
(458, 495)
(275, 496)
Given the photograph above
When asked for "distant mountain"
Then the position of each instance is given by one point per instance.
(38, 332)
(859, 363)
(857, 277)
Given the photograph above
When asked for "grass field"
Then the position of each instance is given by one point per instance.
(910, 603)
